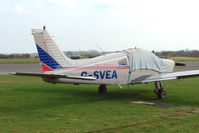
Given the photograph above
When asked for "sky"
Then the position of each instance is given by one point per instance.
(111, 25)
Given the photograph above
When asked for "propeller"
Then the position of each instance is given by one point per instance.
(179, 64)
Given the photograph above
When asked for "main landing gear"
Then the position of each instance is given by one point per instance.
(102, 89)
(159, 90)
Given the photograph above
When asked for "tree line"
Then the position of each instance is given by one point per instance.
(181, 53)
(13, 56)
(93, 53)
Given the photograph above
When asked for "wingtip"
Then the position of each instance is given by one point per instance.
(12, 73)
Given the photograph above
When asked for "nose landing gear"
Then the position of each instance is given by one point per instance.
(159, 90)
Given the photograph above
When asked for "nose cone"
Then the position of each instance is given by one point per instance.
(169, 64)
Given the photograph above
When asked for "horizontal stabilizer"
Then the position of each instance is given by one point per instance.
(165, 76)
(53, 76)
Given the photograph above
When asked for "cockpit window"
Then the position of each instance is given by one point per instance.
(122, 62)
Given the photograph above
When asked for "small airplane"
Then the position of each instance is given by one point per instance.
(131, 66)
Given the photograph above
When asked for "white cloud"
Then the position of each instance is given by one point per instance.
(116, 2)
(20, 9)
(64, 2)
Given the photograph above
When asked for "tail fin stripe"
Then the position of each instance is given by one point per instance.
(47, 59)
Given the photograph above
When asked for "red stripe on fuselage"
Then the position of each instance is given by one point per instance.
(46, 68)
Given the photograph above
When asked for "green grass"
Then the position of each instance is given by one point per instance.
(185, 59)
(18, 61)
(27, 104)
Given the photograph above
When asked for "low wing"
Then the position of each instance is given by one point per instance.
(53, 76)
(165, 76)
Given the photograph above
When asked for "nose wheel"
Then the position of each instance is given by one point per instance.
(102, 89)
(159, 90)
(161, 94)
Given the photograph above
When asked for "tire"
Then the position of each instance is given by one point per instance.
(102, 89)
(161, 94)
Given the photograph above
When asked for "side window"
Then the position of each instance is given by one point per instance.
(122, 62)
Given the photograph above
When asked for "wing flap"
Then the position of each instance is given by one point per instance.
(53, 76)
(165, 76)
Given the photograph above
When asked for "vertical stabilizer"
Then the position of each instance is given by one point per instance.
(50, 55)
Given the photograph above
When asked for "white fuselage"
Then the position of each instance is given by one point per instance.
(111, 68)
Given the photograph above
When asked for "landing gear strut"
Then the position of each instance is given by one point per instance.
(159, 90)
(102, 89)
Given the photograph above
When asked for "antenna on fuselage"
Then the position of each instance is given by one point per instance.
(100, 49)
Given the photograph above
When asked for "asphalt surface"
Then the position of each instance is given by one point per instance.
(189, 66)
(7, 68)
